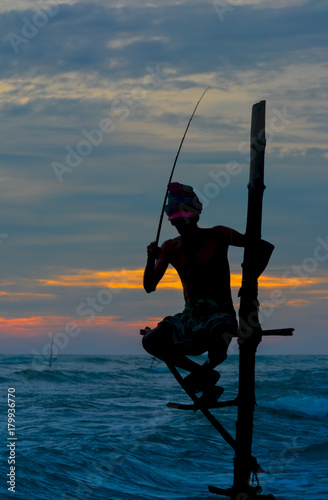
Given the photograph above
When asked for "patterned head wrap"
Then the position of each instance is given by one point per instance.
(182, 201)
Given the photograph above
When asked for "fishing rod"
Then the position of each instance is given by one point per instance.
(174, 164)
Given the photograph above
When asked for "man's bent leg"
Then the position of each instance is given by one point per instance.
(159, 343)
(205, 377)
(219, 342)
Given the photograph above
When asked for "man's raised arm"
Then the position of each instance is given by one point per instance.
(262, 254)
(261, 251)
(157, 262)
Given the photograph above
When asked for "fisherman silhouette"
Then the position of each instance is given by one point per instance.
(208, 321)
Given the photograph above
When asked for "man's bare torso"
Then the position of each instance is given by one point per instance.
(202, 264)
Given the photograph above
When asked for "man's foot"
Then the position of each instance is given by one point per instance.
(201, 380)
(210, 397)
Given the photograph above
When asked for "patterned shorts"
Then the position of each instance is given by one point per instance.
(193, 327)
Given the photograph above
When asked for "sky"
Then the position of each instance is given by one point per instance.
(94, 100)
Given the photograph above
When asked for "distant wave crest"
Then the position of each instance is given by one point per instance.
(301, 404)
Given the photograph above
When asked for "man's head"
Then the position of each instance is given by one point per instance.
(185, 225)
(183, 206)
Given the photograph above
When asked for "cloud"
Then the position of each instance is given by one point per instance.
(121, 47)
(25, 295)
(298, 303)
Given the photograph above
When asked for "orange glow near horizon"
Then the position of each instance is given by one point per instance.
(307, 291)
(34, 325)
(132, 279)
(29, 326)
(298, 303)
(26, 294)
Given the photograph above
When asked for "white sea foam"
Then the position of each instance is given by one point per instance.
(307, 405)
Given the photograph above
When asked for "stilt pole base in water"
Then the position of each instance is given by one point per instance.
(234, 494)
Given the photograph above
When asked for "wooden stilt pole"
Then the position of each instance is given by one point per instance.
(250, 332)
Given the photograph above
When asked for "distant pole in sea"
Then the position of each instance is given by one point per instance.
(52, 343)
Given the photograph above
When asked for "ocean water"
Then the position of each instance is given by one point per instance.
(98, 428)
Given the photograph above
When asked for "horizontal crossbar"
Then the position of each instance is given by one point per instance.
(214, 421)
(232, 493)
(287, 332)
(195, 406)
